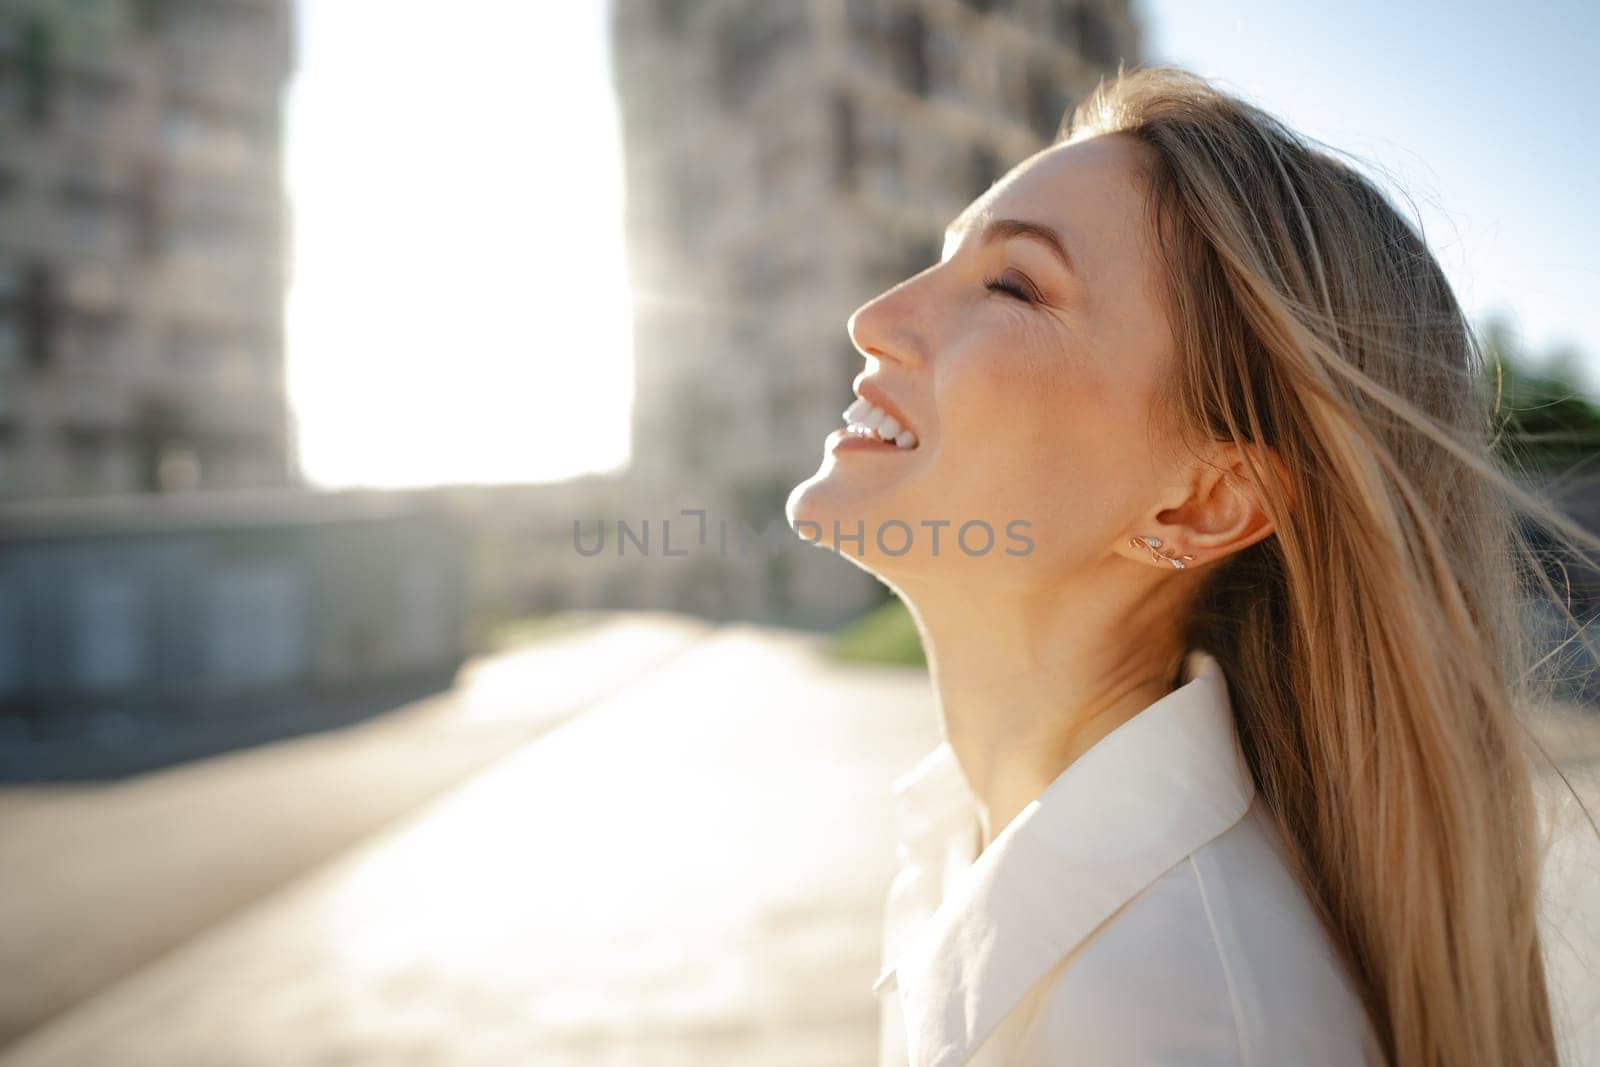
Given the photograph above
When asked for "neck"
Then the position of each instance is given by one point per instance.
(1029, 680)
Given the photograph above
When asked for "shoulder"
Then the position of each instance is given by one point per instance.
(1221, 960)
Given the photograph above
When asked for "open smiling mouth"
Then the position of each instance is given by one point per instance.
(866, 419)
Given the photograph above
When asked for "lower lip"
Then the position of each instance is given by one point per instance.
(842, 440)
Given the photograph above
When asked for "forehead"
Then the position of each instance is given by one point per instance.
(1086, 190)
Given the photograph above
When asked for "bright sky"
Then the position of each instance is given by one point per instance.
(459, 310)
(1487, 113)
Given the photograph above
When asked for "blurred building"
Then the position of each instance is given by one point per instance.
(159, 624)
(785, 163)
(142, 249)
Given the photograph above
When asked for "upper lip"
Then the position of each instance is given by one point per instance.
(872, 393)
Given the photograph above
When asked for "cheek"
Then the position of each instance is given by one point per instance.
(1054, 437)
(1037, 405)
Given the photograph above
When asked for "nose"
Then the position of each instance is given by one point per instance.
(878, 327)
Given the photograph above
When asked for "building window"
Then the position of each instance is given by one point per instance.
(897, 255)
(671, 15)
(40, 299)
(1094, 35)
(217, 355)
(89, 104)
(844, 141)
(692, 208)
(9, 341)
(747, 48)
(198, 237)
(908, 51)
(881, 155)
(213, 138)
(13, 657)
(946, 63)
(1061, 28)
(983, 168)
(92, 342)
(777, 161)
(151, 16)
(918, 254)
(206, 24)
(1045, 102)
(861, 15)
(757, 272)
(255, 623)
(178, 470)
(182, 126)
(88, 450)
(40, 71)
(109, 631)
(91, 216)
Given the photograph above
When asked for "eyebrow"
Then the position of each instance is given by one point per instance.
(1002, 229)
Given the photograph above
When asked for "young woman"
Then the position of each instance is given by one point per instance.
(1180, 458)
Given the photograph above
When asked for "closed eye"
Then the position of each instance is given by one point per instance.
(1009, 288)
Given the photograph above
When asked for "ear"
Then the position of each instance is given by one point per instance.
(1215, 514)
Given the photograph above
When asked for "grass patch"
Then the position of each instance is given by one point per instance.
(886, 634)
(508, 633)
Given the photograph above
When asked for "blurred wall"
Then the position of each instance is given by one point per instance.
(142, 248)
(162, 612)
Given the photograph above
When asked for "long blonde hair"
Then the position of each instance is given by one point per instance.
(1374, 645)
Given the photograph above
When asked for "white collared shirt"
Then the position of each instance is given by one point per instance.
(1141, 910)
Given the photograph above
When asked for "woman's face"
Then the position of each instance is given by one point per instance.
(1027, 382)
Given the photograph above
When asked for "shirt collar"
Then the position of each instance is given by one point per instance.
(1147, 794)
(932, 805)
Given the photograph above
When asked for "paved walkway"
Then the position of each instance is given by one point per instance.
(102, 878)
(690, 872)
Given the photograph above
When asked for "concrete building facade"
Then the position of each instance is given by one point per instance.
(785, 163)
(152, 623)
(142, 247)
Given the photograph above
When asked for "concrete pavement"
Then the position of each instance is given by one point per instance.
(690, 872)
(100, 879)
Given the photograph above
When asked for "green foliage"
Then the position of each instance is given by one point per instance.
(886, 634)
(39, 72)
(80, 25)
(1547, 422)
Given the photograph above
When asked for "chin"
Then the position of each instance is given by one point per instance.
(817, 500)
(820, 502)
(817, 503)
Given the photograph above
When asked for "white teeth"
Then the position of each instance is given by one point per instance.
(866, 419)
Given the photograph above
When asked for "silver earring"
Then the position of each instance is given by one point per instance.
(1153, 543)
